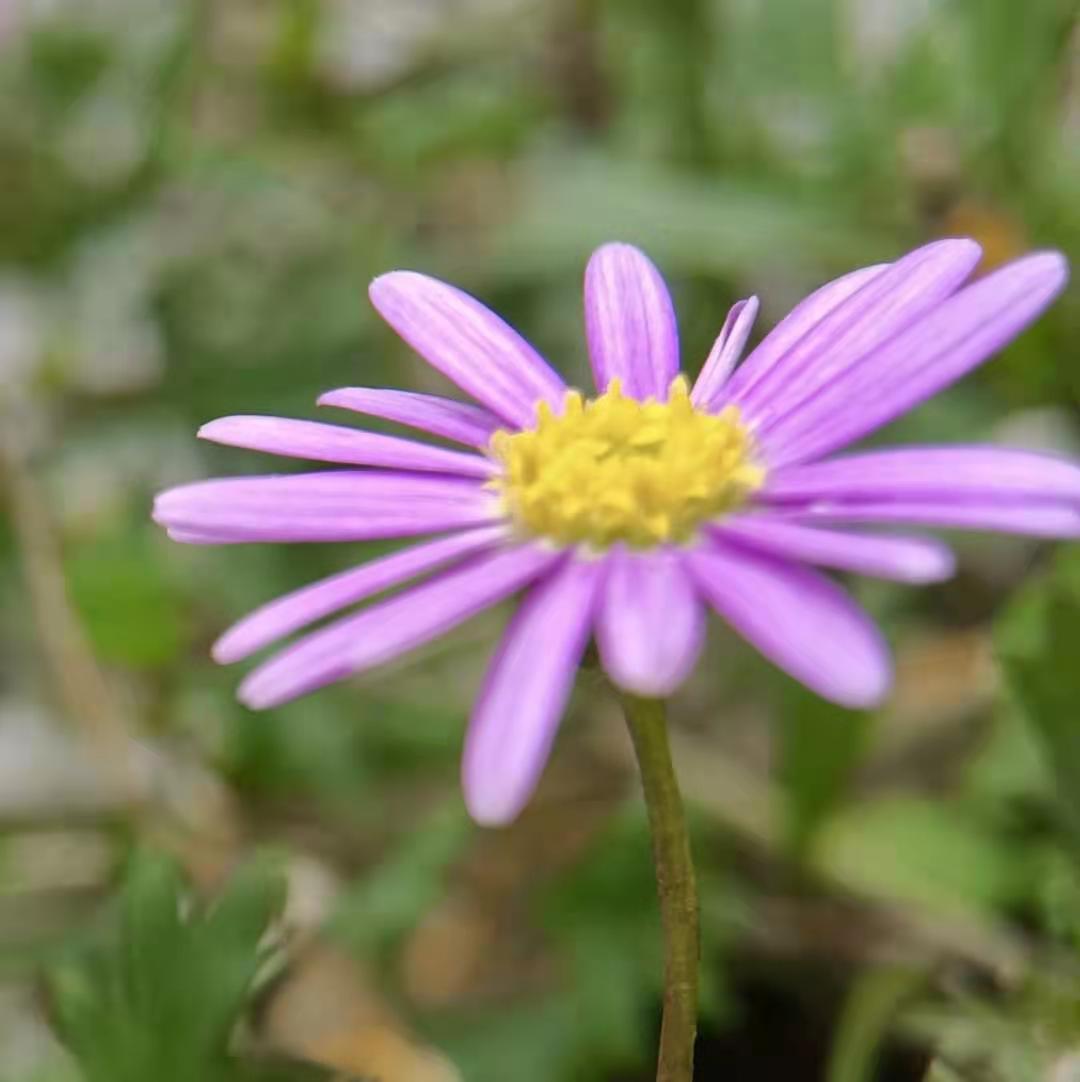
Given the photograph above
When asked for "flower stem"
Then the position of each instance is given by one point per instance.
(675, 885)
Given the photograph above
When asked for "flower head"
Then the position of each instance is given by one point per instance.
(620, 469)
(626, 516)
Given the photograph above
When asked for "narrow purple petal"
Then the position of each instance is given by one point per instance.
(802, 622)
(461, 422)
(1033, 519)
(725, 353)
(469, 344)
(289, 613)
(906, 559)
(332, 443)
(887, 304)
(343, 505)
(802, 319)
(930, 473)
(630, 323)
(528, 683)
(394, 627)
(955, 337)
(651, 622)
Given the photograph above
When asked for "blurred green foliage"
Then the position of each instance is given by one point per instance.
(194, 197)
(159, 995)
(1039, 642)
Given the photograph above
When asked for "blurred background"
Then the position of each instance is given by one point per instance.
(193, 197)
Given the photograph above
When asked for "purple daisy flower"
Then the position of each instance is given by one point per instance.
(627, 516)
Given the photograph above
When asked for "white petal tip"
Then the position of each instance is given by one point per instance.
(925, 575)
(159, 513)
(172, 500)
(961, 246)
(391, 282)
(250, 695)
(743, 314)
(227, 650)
(210, 430)
(659, 687)
(867, 693)
(614, 247)
(231, 430)
(617, 253)
(1053, 269)
(1045, 274)
(491, 810)
(931, 567)
(870, 700)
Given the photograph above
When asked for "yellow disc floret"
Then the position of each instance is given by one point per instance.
(616, 469)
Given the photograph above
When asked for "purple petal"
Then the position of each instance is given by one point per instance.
(907, 559)
(518, 711)
(287, 614)
(955, 337)
(799, 620)
(887, 304)
(342, 505)
(332, 443)
(725, 353)
(1032, 519)
(930, 473)
(461, 422)
(394, 627)
(630, 323)
(469, 344)
(802, 319)
(651, 622)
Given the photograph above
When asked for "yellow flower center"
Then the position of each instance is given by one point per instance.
(616, 469)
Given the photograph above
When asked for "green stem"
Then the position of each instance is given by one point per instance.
(675, 885)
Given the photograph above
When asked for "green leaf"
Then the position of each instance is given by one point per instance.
(528, 1043)
(158, 993)
(864, 1022)
(385, 903)
(719, 226)
(604, 917)
(1039, 643)
(924, 853)
(820, 744)
(1059, 896)
(942, 1072)
(119, 584)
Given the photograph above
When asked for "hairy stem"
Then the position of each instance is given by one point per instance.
(675, 884)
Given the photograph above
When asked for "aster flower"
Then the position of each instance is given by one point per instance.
(628, 515)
